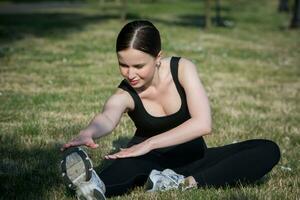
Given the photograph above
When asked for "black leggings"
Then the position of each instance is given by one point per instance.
(246, 161)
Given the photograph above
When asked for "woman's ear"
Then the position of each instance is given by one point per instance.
(158, 58)
(159, 55)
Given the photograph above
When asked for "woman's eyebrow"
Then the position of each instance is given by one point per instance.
(122, 64)
(135, 65)
(139, 65)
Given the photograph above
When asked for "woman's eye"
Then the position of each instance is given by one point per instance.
(139, 66)
(123, 66)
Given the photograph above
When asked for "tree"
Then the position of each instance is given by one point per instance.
(295, 22)
(207, 14)
(219, 20)
(283, 6)
(123, 10)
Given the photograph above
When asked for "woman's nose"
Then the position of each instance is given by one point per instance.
(131, 73)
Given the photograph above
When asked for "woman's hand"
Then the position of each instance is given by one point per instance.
(82, 139)
(133, 151)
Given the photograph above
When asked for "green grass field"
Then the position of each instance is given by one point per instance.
(57, 68)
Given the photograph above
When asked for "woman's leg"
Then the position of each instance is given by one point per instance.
(245, 161)
(125, 173)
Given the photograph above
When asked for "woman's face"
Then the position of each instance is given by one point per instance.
(136, 67)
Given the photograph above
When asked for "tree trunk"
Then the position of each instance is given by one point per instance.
(283, 6)
(123, 10)
(295, 23)
(219, 21)
(207, 14)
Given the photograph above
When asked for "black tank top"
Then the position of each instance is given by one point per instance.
(148, 125)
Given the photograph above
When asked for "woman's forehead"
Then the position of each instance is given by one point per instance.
(133, 56)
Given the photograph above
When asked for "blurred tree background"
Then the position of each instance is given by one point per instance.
(283, 6)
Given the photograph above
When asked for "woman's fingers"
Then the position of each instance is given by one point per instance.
(92, 145)
(124, 153)
(67, 145)
(110, 157)
(80, 141)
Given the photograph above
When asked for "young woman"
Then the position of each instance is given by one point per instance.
(167, 102)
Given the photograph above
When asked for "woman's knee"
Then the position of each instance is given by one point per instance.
(272, 151)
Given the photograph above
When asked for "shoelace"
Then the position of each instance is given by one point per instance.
(182, 185)
(172, 181)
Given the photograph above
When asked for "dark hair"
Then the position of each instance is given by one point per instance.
(141, 35)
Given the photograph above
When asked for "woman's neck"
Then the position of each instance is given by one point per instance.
(154, 83)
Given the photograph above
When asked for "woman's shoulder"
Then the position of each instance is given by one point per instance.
(184, 65)
(182, 62)
(187, 63)
(186, 70)
(123, 97)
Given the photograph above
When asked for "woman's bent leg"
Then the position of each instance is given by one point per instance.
(125, 173)
(245, 161)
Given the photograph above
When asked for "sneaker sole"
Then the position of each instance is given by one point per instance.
(96, 195)
(149, 185)
(99, 195)
(76, 167)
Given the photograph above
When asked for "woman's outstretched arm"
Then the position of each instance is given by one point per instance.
(104, 122)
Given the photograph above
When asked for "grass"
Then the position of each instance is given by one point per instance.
(57, 68)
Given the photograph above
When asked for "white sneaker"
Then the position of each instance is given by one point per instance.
(78, 174)
(91, 190)
(163, 181)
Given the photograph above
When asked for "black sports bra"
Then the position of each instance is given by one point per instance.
(148, 125)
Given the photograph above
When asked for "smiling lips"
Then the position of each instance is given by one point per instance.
(133, 82)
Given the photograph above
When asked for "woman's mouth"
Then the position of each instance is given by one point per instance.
(133, 82)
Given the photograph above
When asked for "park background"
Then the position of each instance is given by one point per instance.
(58, 66)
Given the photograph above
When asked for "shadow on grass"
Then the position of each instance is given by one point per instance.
(17, 26)
(121, 142)
(39, 1)
(30, 167)
(26, 171)
(14, 27)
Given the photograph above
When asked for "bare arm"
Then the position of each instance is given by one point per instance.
(103, 123)
(200, 122)
(110, 116)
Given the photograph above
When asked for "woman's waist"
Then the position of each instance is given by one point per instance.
(197, 145)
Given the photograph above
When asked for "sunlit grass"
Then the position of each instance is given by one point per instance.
(54, 79)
